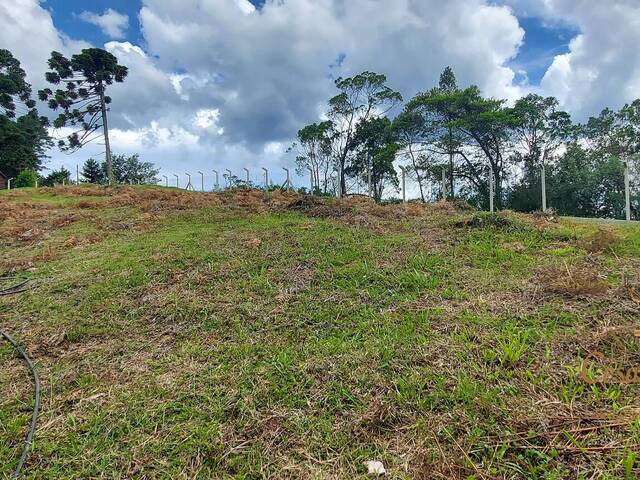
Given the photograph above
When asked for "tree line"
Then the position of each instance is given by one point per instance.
(78, 95)
(451, 139)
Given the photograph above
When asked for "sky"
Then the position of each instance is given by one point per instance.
(217, 84)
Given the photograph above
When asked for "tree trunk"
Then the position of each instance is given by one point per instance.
(105, 128)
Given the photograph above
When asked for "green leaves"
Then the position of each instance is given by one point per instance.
(84, 77)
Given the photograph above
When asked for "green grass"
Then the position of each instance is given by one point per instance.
(180, 350)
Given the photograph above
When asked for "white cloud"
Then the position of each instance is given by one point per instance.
(602, 67)
(112, 23)
(26, 29)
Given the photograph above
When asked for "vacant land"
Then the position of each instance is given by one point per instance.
(187, 335)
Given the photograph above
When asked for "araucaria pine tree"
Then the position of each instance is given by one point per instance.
(83, 99)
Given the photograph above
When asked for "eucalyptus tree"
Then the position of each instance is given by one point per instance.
(84, 78)
(410, 130)
(361, 98)
(439, 110)
(313, 146)
(540, 130)
(375, 151)
(487, 128)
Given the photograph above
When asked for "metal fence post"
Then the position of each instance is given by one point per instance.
(229, 175)
(166, 180)
(404, 189)
(491, 190)
(311, 179)
(266, 178)
(444, 184)
(217, 185)
(288, 178)
(189, 184)
(544, 188)
(201, 179)
(9, 183)
(77, 175)
(627, 192)
(177, 180)
(247, 170)
(369, 180)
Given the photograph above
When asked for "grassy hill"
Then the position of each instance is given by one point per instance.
(189, 335)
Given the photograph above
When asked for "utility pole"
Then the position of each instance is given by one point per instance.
(544, 188)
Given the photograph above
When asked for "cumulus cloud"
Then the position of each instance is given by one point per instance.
(28, 31)
(112, 23)
(602, 67)
(269, 72)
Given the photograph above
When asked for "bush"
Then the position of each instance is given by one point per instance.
(26, 178)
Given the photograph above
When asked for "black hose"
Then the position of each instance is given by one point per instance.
(36, 382)
(14, 288)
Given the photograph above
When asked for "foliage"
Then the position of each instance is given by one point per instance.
(376, 148)
(314, 153)
(13, 85)
(361, 98)
(26, 178)
(23, 139)
(56, 177)
(93, 172)
(129, 169)
(83, 101)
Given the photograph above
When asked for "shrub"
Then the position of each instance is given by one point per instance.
(26, 178)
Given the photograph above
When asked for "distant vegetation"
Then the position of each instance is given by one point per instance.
(468, 137)
(450, 139)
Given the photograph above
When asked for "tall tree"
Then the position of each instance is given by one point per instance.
(23, 138)
(13, 85)
(83, 101)
(314, 153)
(446, 106)
(540, 130)
(92, 171)
(410, 130)
(130, 169)
(439, 110)
(487, 127)
(361, 98)
(376, 148)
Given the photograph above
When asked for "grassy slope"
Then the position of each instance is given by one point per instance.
(188, 339)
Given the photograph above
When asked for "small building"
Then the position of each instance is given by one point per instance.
(4, 180)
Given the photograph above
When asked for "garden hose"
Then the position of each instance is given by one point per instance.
(36, 381)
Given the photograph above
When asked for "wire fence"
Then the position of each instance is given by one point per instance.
(220, 180)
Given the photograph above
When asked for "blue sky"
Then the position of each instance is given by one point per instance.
(542, 40)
